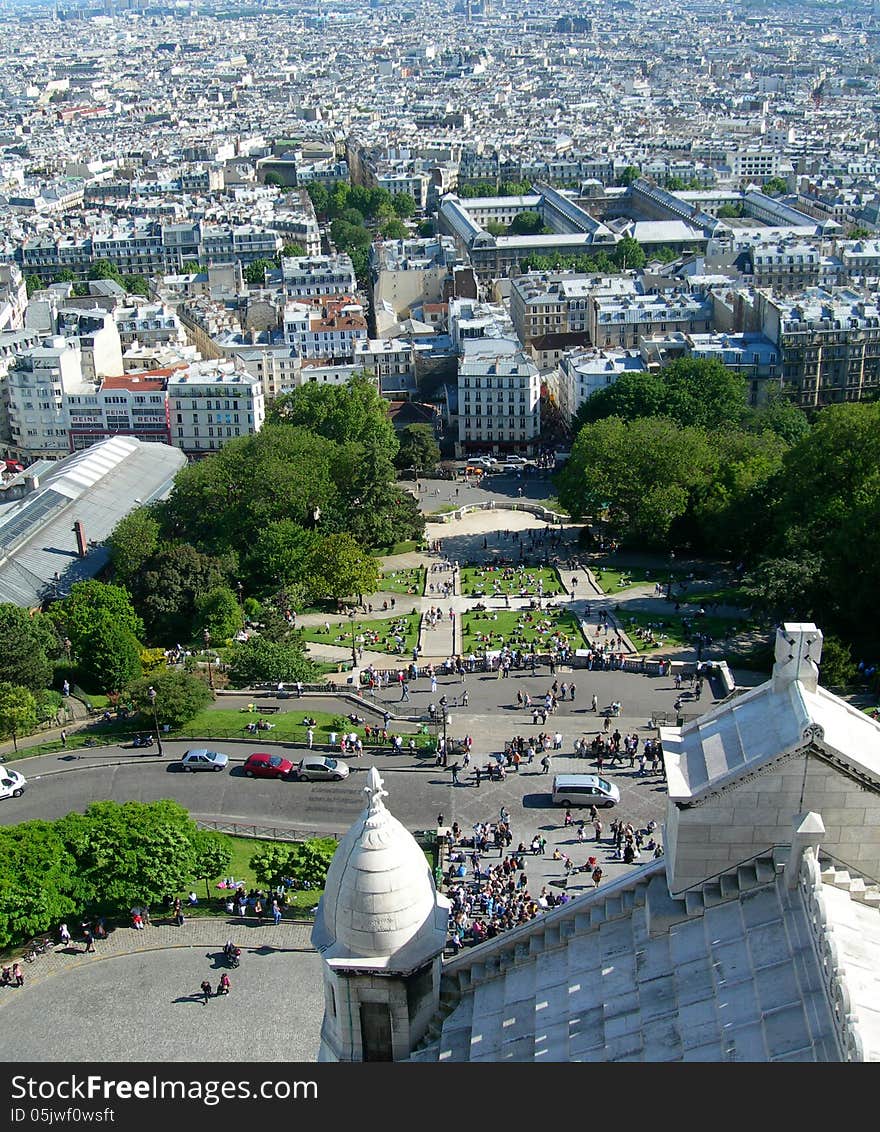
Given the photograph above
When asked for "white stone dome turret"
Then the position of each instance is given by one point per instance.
(380, 904)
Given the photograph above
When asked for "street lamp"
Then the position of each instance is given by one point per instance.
(207, 637)
(151, 692)
(354, 657)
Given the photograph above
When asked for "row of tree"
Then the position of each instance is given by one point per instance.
(357, 214)
(678, 459)
(114, 857)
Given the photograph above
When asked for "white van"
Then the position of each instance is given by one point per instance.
(12, 783)
(584, 790)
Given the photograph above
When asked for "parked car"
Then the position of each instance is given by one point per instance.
(262, 765)
(202, 759)
(320, 768)
(12, 783)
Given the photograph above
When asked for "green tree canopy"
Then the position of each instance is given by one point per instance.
(18, 712)
(133, 853)
(255, 272)
(170, 584)
(180, 696)
(393, 229)
(33, 283)
(280, 553)
(293, 251)
(629, 174)
(404, 205)
(418, 449)
(259, 660)
(105, 269)
(629, 254)
(39, 882)
(219, 612)
(212, 853)
(29, 640)
(526, 223)
(87, 604)
(136, 285)
(342, 413)
(110, 656)
(134, 540)
(338, 568)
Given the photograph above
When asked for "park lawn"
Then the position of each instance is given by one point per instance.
(243, 850)
(403, 581)
(405, 547)
(226, 723)
(722, 595)
(476, 581)
(511, 626)
(674, 634)
(340, 634)
(612, 580)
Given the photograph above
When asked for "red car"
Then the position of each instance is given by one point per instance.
(261, 765)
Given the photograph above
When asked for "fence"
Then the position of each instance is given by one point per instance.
(533, 508)
(262, 832)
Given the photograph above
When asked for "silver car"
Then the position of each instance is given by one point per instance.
(202, 759)
(318, 768)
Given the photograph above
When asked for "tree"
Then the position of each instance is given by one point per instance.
(258, 660)
(425, 228)
(642, 472)
(212, 853)
(304, 863)
(136, 285)
(293, 251)
(18, 711)
(28, 642)
(255, 272)
(133, 853)
(785, 587)
(393, 229)
(219, 612)
(39, 883)
(629, 254)
(271, 866)
(859, 232)
(775, 186)
(169, 586)
(837, 668)
(319, 197)
(105, 269)
(404, 205)
(338, 568)
(419, 449)
(110, 656)
(526, 223)
(133, 541)
(33, 283)
(65, 275)
(86, 606)
(273, 178)
(629, 174)
(280, 553)
(342, 413)
(180, 696)
(729, 211)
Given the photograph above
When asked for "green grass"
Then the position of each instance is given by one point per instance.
(300, 904)
(512, 627)
(674, 633)
(612, 580)
(444, 509)
(403, 581)
(723, 595)
(477, 581)
(340, 634)
(405, 547)
(288, 726)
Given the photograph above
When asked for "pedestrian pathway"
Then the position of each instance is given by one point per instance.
(204, 932)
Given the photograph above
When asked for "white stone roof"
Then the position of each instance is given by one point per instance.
(626, 974)
(380, 908)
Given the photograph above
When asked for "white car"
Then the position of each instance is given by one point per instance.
(321, 768)
(201, 759)
(12, 783)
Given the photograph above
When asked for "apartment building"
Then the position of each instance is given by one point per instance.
(404, 272)
(210, 404)
(35, 390)
(325, 329)
(120, 406)
(622, 320)
(554, 306)
(829, 342)
(150, 324)
(788, 265)
(499, 408)
(303, 277)
(581, 373)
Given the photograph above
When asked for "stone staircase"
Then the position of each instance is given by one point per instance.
(729, 885)
(859, 890)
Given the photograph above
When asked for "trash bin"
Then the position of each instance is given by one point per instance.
(333, 738)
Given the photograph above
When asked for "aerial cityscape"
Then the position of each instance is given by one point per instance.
(457, 428)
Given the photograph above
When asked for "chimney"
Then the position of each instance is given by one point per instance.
(798, 653)
(77, 529)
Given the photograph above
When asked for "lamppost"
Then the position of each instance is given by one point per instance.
(354, 655)
(207, 637)
(151, 692)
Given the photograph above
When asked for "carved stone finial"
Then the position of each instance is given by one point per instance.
(374, 790)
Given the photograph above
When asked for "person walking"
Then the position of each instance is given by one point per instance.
(454, 769)
(310, 737)
(404, 691)
(64, 935)
(545, 763)
(478, 775)
(18, 974)
(597, 826)
(223, 987)
(89, 940)
(206, 991)
(63, 737)
(276, 913)
(597, 876)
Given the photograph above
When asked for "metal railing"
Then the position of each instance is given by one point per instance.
(262, 832)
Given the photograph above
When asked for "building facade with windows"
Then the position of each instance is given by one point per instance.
(499, 403)
(211, 404)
